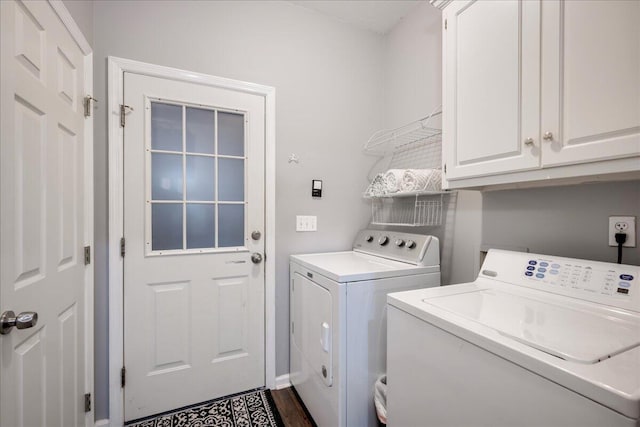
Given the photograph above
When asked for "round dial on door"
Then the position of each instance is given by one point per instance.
(411, 244)
(399, 243)
(383, 240)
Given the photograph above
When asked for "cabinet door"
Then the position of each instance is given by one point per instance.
(491, 89)
(590, 80)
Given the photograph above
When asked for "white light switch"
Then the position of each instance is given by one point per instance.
(306, 223)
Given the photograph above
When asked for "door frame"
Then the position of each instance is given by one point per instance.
(116, 68)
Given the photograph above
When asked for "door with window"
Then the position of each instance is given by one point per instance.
(193, 230)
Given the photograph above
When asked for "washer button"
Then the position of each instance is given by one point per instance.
(528, 273)
(532, 262)
(542, 269)
(540, 276)
(544, 264)
(553, 271)
(530, 267)
(624, 284)
(626, 277)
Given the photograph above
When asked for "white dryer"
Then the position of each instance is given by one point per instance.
(536, 340)
(338, 320)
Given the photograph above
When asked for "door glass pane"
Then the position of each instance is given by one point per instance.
(201, 220)
(166, 226)
(230, 134)
(200, 178)
(231, 178)
(231, 225)
(200, 131)
(166, 176)
(166, 127)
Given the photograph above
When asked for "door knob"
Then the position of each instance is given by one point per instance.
(548, 136)
(24, 320)
(256, 258)
(256, 235)
(528, 141)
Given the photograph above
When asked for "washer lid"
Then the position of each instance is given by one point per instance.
(566, 330)
(353, 266)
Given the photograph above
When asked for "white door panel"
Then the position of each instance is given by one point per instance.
(591, 83)
(42, 213)
(193, 299)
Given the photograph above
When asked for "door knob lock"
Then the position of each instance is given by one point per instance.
(548, 136)
(256, 235)
(528, 141)
(256, 258)
(24, 320)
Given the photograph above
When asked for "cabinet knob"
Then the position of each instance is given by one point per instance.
(528, 141)
(548, 136)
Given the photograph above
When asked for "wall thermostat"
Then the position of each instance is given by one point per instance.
(316, 188)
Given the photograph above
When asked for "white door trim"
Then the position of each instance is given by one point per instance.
(116, 68)
(76, 34)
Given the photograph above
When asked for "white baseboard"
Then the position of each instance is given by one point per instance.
(102, 423)
(282, 382)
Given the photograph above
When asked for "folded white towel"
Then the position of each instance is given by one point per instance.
(377, 188)
(393, 179)
(421, 180)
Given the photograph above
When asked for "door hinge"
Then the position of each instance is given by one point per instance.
(293, 328)
(87, 402)
(124, 109)
(445, 24)
(123, 376)
(122, 247)
(87, 255)
(86, 102)
(445, 168)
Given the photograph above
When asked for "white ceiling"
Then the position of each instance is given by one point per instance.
(377, 16)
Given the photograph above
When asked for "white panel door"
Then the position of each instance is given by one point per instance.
(42, 218)
(194, 193)
(591, 81)
(492, 82)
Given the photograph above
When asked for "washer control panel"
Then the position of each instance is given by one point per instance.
(418, 249)
(602, 282)
(581, 276)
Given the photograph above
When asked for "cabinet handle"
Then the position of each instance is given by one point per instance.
(528, 141)
(548, 136)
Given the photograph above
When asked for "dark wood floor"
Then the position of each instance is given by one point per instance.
(290, 408)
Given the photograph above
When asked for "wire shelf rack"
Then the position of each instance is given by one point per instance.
(420, 132)
(409, 211)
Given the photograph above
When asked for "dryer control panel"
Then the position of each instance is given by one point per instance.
(416, 249)
(607, 283)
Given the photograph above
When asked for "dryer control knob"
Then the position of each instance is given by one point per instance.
(369, 238)
(383, 240)
(411, 244)
(399, 243)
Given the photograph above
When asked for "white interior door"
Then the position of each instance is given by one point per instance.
(193, 196)
(42, 218)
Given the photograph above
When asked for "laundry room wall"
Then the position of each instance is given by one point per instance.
(570, 221)
(327, 77)
(82, 13)
(413, 89)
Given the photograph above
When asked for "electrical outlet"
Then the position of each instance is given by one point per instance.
(306, 223)
(622, 224)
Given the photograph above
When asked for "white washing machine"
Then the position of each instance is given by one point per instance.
(536, 340)
(338, 320)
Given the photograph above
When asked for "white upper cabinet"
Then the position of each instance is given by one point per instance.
(590, 81)
(540, 90)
